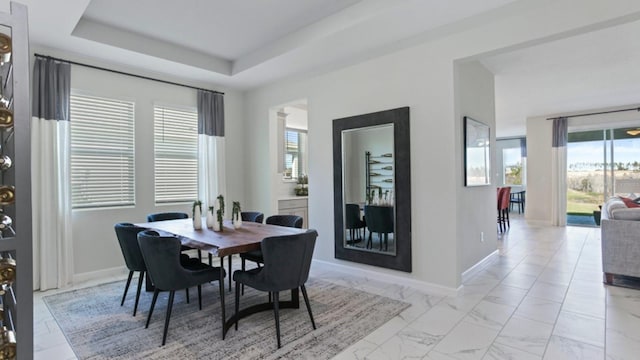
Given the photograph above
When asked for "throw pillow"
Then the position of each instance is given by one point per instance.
(637, 200)
(630, 203)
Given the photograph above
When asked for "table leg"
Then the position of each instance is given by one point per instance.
(230, 273)
(294, 303)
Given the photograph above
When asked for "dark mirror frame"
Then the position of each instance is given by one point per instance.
(402, 176)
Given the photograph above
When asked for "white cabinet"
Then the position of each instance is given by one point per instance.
(295, 206)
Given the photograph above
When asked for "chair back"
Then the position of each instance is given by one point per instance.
(379, 219)
(253, 216)
(293, 221)
(166, 216)
(506, 197)
(128, 239)
(162, 257)
(352, 218)
(287, 260)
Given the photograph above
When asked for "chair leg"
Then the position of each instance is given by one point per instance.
(199, 255)
(306, 301)
(210, 260)
(135, 306)
(126, 287)
(243, 269)
(230, 272)
(276, 313)
(221, 284)
(237, 307)
(153, 304)
(187, 292)
(166, 320)
(199, 297)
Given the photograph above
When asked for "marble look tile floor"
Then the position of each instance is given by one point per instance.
(541, 298)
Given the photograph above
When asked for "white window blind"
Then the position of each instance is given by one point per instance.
(176, 154)
(102, 152)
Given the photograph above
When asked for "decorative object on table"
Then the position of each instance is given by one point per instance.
(220, 212)
(197, 214)
(477, 153)
(210, 217)
(302, 188)
(236, 217)
(8, 344)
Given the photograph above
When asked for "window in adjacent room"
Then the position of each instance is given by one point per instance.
(176, 154)
(102, 152)
(295, 156)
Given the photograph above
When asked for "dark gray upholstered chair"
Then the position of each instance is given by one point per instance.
(379, 220)
(353, 222)
(128, 239)
(162, 257)
(253, 216)
(287, 260)
(174, 216)
(294, 221)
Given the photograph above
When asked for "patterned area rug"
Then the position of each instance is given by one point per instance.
(98, 328)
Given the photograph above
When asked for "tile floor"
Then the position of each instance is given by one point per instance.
(542, 298)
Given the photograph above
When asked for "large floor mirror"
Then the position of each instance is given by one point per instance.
(372, 189)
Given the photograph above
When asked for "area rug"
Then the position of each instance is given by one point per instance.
(97, 327)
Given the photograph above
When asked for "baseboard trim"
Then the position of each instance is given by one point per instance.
(390, 278)
(98, 274)
(475, 269)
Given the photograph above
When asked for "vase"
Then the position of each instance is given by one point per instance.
(216, 226)
(197, 218)
(210, 218)
(237, 222)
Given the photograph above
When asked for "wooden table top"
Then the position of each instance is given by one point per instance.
(222, 243)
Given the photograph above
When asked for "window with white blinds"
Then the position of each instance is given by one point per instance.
(175, 140)
(102, 152)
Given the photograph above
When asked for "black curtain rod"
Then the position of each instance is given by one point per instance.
(596, 113)
(125, 73)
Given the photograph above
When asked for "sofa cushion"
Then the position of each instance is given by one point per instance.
(610, 205)
(626, 214)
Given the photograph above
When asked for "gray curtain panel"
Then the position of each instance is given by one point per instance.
(51, 89)
(523, 147)
(560, 132)
(210, 113)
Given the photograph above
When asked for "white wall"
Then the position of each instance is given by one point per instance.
(421, 77)
(94, 242)
(476, 204)
(539, 137)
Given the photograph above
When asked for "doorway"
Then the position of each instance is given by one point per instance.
(600, 164)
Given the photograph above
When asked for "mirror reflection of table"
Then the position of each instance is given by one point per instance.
(226, 243)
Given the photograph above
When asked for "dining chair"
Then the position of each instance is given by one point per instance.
(503, 197)
(174, 216)
(253, 216)
(294, 221)
(379, 219)
(287, 260)
(127, 235)
(353, 222)
(162, 257)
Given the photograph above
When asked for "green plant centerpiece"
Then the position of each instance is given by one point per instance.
(236, 216)
(220, 211)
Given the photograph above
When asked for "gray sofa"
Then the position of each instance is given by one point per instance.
(620, 230)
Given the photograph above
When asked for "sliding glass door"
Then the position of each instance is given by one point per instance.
(600, 164)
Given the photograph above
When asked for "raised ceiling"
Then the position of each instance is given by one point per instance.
(239, 43)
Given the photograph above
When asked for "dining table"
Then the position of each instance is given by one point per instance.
(227, 242)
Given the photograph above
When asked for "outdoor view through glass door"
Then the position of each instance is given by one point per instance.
(600, 164)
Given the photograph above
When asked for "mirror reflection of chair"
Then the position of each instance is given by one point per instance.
(379, 219)
(287, 260)
(353, 222)
(162, 256)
